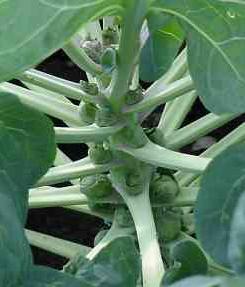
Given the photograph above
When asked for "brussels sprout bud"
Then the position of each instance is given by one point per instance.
(108, 60)
(163, 189)
(87, 112)
(105, 208)
(105, 117)
(123, 217)
(134, 96)
(96, 186)
(89, 88)
(132, 135)
(99, 154)
(188, 223)
(134, 182)
(168, 224)
(109, 37)
(93, 49)
(117, 20)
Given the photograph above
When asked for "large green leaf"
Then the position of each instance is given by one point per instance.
(27, 147)
(27, 150)
(189, 260)
(216, 41)
(233, 282)
(201, 281)
(40, 276)
(160, 49)
(236, 250)
(16, 257)
(117, 264)
(31, 30)
(198, 281)
(217, 199)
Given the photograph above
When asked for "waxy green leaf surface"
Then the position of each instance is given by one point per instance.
(236, 247)
(40, 276)
(233, 282)
(217, 199)
(198, 281)
(116, 265)
(27, 150)
(160, 50)
(189, 260)
(216, 43)
(31, 30)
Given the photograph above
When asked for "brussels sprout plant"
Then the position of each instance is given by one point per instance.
(175, 219)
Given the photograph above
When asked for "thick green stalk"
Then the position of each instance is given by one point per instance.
(177, 70)
(114, 232)
(48, 196)
(128, 51)
(140, 209)
(160, 156)
(175, 112)
(54, 84)
(61, 159)
(47, 92)
(78, 56)
(71, 171)
(55, 245)
(236, 136)
(152, 265)
(108, 22)
(44, 103)
(91, 133)
(172, 91)
(52, 196)
(135, 80)
(56, 96)
(195, 130)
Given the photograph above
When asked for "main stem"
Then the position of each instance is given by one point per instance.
(139, 206)
(128, 51)
(152, 264)
(114, 232)
(141, 211)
